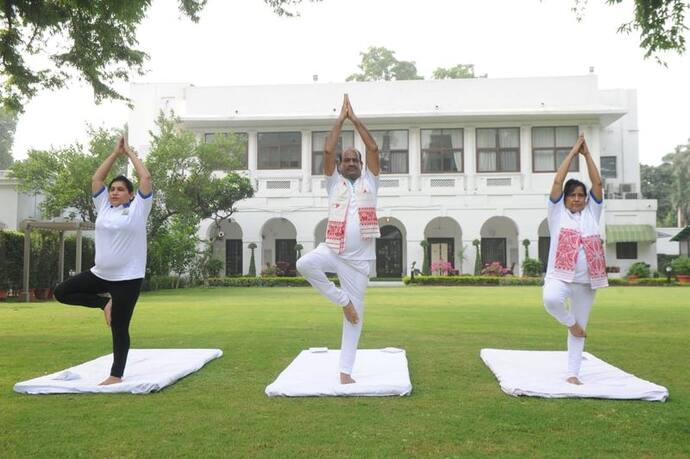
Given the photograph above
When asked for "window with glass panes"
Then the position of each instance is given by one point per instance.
(242, 140)
(442, 150)
(626, 250)
(550, 146)
(279, 150)
(393, 149)
(498, 149)
(318, 142)
(608, 166)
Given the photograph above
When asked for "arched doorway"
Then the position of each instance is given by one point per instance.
(389, 252)
(499, 242)
(279, 238)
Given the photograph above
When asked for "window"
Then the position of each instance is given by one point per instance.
(608, 167)
(318, 142)
(393, 148)
(442, 150)
(550, 146)
(238, 145)
(279, 150)
(626, 250)
(498, 150)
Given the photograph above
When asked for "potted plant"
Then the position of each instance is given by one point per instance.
(681, 268)
(637, 270)
(298, 249)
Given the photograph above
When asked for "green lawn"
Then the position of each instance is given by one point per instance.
(456, 407)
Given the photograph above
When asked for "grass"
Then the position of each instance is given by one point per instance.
(456, 407)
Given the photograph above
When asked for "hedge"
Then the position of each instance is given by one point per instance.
(472, 280)
(512, 280)
(45, 254)
(259, 282)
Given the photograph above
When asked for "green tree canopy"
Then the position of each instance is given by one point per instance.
(380, 64)
(46, 43)
(63, 175)
(457, 72)
(661, 24)
(654, 184)
(8, 123)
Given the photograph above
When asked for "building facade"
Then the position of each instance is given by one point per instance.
(461, 160)
(15, 205)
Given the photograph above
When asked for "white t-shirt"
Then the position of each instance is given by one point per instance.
(121, 237)
(355, 248)
(558, 211)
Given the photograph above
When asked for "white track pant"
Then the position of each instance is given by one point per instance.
(354, 278)
(581, 298)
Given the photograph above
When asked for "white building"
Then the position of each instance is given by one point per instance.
(16, 206)
(461, 160)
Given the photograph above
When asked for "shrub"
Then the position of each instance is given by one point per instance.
(532, 267)
(471, 280)
(260, 282)
(640, 269)
(269, 271)
(495, 269)
(681, 265)
(444, 267)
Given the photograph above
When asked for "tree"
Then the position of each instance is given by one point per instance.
(525, 244)
(380, 64)
(252, 263)
(457, 72)
(655, 181)
(680, 186)
(477, 258)
(45, 44)
(661, 24)
(184, 171)
(426, 266)
(63, 176)
(8, 123)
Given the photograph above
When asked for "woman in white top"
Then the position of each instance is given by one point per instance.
(576, 265)
(120, 253)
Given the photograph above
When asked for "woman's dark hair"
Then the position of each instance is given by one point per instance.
(571, 185)
(125, 180)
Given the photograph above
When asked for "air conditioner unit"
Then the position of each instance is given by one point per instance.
(627, 187)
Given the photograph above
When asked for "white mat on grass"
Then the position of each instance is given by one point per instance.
(314, 372)
(148, 370)
(543, 374)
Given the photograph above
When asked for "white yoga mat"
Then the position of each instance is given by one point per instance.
(148, 370)
(378, 372)
(543, 374)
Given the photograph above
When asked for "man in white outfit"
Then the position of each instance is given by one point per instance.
(350, 235)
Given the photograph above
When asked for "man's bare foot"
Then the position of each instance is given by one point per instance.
(111, 380)
(346, 379)
(351, 314)
(577, 331)
(574, 380)
(108, 311)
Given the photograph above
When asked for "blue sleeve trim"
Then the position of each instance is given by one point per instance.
(145, 196)
(595, 199)
(557, 200)
(98, 193)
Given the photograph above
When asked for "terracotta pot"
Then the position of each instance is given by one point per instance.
(684, 278)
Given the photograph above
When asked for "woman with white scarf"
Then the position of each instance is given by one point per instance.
(576, 265)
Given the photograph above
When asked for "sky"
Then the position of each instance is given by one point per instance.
(244, 42)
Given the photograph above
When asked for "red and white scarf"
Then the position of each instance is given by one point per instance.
(338, 206)
(571, 236)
